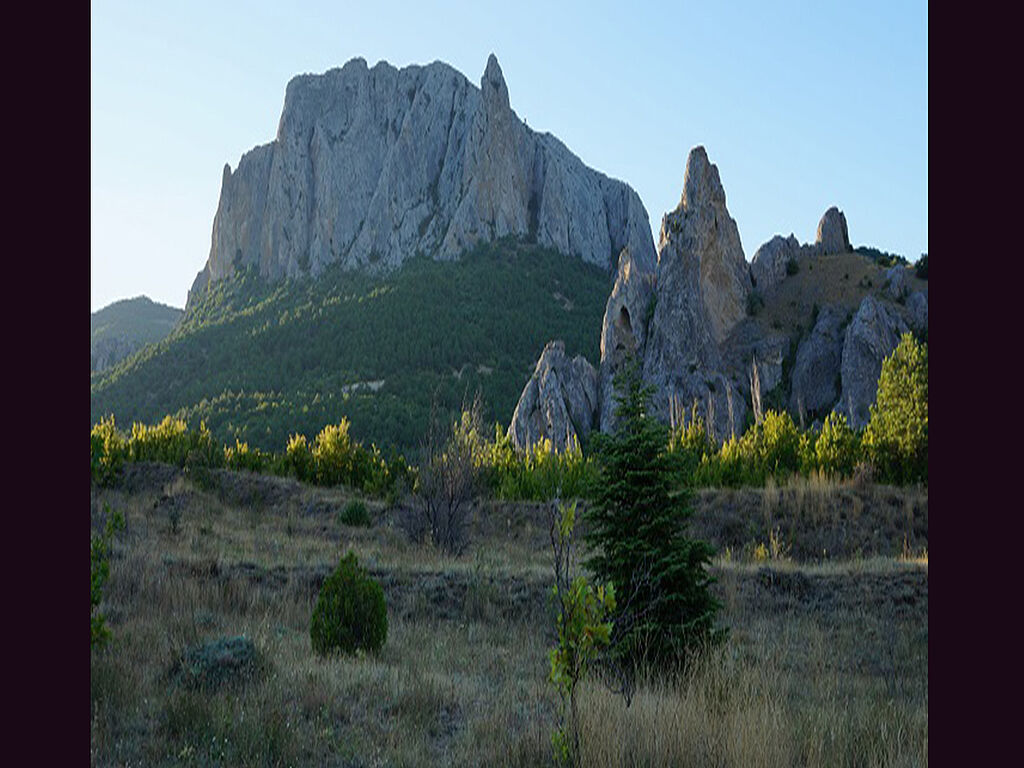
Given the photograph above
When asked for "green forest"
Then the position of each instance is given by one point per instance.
(258, 361)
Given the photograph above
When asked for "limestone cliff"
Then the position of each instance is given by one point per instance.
(371, 166)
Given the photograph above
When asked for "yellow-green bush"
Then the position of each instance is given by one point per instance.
(837, 450)
(241, 456)
(108, 451)
(298, 458)
(334, 455)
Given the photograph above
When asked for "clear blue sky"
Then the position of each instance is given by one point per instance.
(801, 106)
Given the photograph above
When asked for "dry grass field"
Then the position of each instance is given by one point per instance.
(824, 587)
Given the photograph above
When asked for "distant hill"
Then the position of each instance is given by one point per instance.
(122, 328)
(260, 360)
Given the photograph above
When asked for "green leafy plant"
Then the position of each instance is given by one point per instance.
(350, 613)
(583, 628)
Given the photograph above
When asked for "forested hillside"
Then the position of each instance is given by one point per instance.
(119, 329)
(257, 360)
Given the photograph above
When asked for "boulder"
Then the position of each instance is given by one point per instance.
(558, 403)
(917, 307)
(871, 336)
(896, 281)
(818, 364)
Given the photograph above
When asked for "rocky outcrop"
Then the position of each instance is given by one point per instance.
(833, 236)
(817, 368)
(701, 293)
(559, 402)
(624, 330)
(917, 307)
(896, 282)
(373, 165)
(871, 336)
(768, 267)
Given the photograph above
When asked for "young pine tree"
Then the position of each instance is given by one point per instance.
(637, 530)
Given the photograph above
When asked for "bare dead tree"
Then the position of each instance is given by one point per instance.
(712, 433)
(732, 420)
(755, 392)
(439, 510)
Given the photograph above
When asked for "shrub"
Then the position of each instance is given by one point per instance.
(896, 437)
(689, 445)
(100, 572)
(241, 457)
(355, 513)
(350, 613)
(334, 455)
(777, 445)
(582, 629)
(298, 459)
(836, 449)
(448, 479)
(792, 267)
(921, 267)
(108, 451)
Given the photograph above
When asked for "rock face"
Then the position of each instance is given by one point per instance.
(768, 266)
(701, 293)
(624, 330)
(686, 324)
(818, 363)
(871, 336)
(373, 165)
(833, 236)
(559, 402)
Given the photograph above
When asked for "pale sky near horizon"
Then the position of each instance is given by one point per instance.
(800, 105)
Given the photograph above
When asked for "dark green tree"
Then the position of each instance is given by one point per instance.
(637, 533)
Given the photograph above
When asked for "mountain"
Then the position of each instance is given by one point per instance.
(371, 167)
(122, 328)
(404, 239)
(811, 323)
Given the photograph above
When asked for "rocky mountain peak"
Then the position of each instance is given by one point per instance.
(492, 85)
(701, 184)
(372, 166)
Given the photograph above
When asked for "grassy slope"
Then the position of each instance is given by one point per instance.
(841, 279)
(826, 664)
(259, 361)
